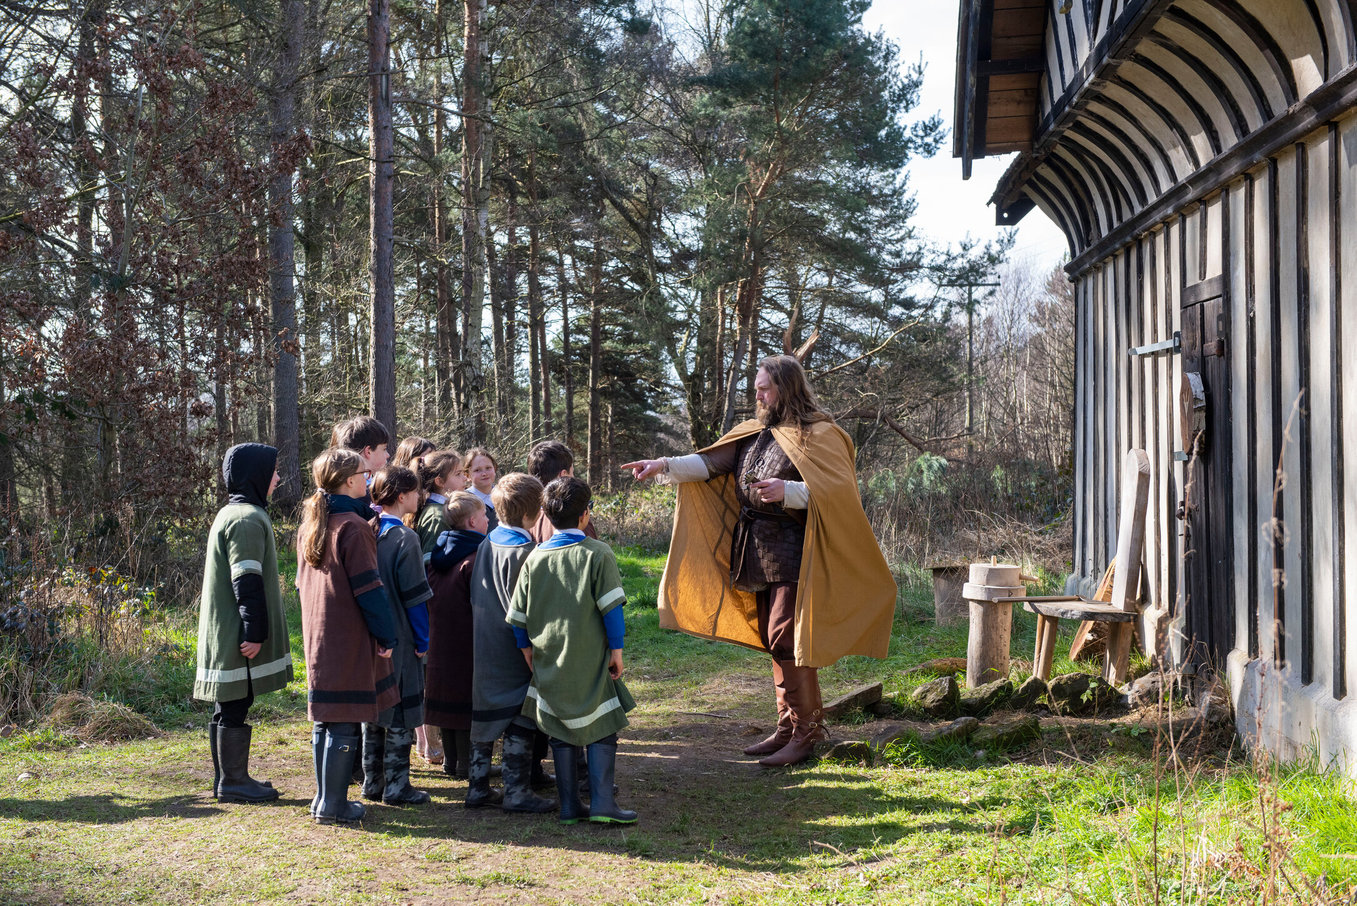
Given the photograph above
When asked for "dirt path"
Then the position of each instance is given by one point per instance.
(135, 819)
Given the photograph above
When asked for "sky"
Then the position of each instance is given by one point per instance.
(950, 208)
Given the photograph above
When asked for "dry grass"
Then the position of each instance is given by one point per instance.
(88, 720)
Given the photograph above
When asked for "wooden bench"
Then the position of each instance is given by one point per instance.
(1123, 609)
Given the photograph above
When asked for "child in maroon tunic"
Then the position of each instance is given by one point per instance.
(447, 685)
(347, 632)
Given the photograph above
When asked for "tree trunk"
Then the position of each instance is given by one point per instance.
(539, 369)
(747, 296)
(495, 283)
(595, 452)
(282, 262)
(539, 401)
(475, 216)
(509, 306)
(73, 465)
(446, 350)
(9, 498)
(567, 357)
(381, 164)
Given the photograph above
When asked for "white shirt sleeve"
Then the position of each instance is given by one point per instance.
(685, 468)
(796, 496)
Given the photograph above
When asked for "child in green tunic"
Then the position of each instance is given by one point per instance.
(567, 619)
(243, 648)
(440, 476)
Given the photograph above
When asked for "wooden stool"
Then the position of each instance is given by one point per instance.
(1123, 609)
(1051, 610)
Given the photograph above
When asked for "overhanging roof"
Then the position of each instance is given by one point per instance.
(1148, 105)
(1000, 61)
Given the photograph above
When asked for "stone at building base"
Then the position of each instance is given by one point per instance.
(860, 698)
(1006, 732)
(1079, 694)
(1029, 695)
(982, 700)
(938, 698)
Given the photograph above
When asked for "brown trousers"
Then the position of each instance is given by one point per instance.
(777, 619)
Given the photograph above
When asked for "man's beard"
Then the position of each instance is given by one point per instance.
(770, 418)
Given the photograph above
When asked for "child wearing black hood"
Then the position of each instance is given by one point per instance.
(243, 648)
(447, 685)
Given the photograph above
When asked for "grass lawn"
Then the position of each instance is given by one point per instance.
(1091, 813)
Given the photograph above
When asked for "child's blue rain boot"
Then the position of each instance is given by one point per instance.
(340, 754)
(566, 758)
(603, 808)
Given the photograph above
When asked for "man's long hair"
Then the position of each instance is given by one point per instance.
(796, 402)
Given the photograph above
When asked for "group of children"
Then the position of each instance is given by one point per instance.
(490, 612)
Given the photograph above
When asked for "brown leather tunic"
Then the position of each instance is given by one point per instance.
(766, 545)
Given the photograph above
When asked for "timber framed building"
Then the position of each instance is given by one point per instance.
(1200, 156)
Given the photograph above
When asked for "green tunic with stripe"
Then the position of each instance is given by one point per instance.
(429, 524)
(560, 599)
(241, 541)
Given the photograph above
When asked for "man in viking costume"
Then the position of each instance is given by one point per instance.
(771, 550)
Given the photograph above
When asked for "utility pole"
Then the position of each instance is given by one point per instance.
(970, 352)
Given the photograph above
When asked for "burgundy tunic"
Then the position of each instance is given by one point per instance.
(447, 683)
(346, 680)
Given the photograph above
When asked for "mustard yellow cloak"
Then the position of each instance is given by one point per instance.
(846, 597)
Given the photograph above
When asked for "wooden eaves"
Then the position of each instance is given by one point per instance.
(1000, 61)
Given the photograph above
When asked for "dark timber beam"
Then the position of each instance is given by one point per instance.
(1136, 20)
(1011, 67)
(1325, 103)
(1203, 33)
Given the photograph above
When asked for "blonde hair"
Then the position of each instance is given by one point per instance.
(461, 506)
(517, 498)
(330, 470)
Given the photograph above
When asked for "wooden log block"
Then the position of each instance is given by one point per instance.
(995, 574)
(988, 641)
(949, 607)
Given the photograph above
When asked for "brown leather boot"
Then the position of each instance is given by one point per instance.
(783, 734)
(807, 709)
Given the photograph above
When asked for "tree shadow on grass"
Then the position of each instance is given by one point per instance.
(698, 804)
(107, 808)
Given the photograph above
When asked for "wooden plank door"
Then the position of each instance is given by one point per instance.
(1207, 507)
